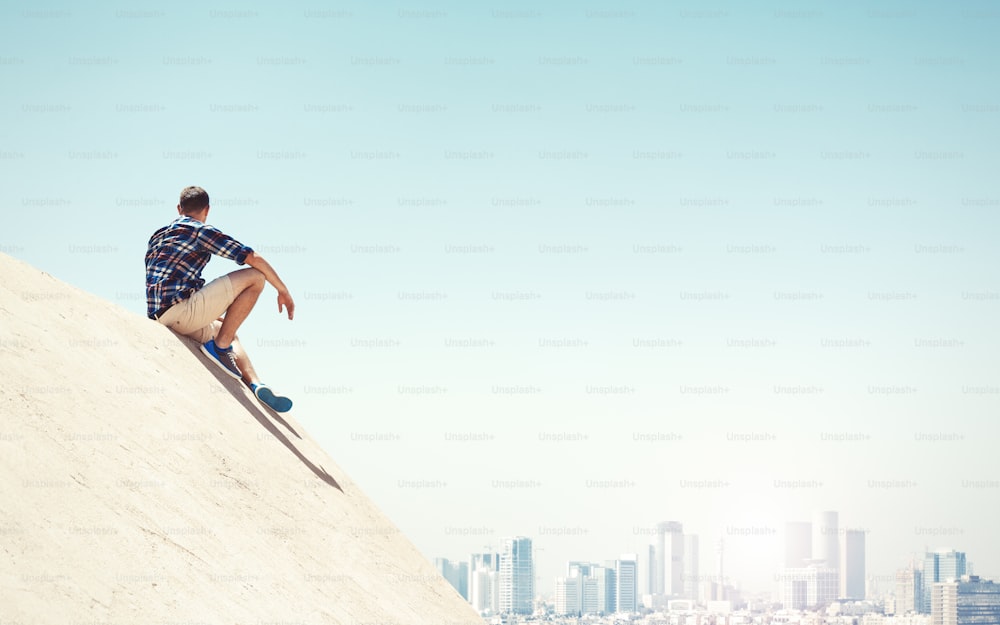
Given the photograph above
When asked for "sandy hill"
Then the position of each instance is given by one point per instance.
(138, 485)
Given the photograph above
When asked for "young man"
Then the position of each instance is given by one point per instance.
(177, 296)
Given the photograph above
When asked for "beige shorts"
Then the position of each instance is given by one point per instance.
(197, 316)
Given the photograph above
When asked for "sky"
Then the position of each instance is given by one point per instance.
(566, 270)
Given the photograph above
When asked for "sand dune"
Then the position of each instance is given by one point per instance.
(138, 485)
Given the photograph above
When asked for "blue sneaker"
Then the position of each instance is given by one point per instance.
(224, 358)
(267, 397)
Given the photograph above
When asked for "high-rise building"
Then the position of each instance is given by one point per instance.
(969, 601)
(826, 540)
(484, 590)
(809, 587)
(568, 595)
(670, 559)
(691, 578)
(651, 576)
(798, 544)
(626, 576)
(517, 576)
(940, 566)
(457, 574)
(588, 588)
(588, 595)
(944, 603)
(852, 566)
(907, 590)
(490, 561)
(606, 583)
(484, 579)
(582, 569)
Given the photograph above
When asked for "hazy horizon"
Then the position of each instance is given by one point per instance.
(579, 268)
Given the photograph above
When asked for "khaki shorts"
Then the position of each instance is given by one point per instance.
(197, 316)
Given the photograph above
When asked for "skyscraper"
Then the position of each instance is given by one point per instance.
(517, 576)
(483, 584)
(651, 577)
(940, 566)
(670, 559)
(457, 574)
(484, 590)
(626, 570)
(908, 590)
(691, 578)
(606, 583)
(852, 569)
(826, 540)
(568, 595)
(811, 577)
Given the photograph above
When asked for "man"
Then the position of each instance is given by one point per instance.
(177, 296)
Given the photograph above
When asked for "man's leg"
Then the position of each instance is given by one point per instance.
(262, 392)
(243, 362)
(248, 284)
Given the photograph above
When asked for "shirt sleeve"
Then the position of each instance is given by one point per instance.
(213, 241)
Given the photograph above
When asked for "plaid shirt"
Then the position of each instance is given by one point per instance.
(177, 254)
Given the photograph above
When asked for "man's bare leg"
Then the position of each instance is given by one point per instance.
(248, 284)
(264, 394)
(250, 376)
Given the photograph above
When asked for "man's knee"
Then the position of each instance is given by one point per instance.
(245, 279)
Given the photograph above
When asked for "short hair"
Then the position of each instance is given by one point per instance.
(193, 199)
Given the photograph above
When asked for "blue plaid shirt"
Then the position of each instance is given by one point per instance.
(177, 254)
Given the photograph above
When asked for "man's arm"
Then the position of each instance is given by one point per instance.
(284, 297)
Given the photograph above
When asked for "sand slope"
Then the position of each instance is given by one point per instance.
(138, 485)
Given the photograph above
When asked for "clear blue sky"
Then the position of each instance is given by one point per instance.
(796, 203)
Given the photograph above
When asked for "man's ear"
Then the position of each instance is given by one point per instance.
(179, 212)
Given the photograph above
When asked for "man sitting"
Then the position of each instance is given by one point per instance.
(177, 296)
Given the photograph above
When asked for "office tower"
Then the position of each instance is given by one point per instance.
(588, 595)
(907, 590)
(568, 599)
(484, 590)
(457, 574)
(582, 569)
(651, 576)
(798, 544)
(809, 587)
(852, 566)
(588, 588)
(690, 576)
(483, 581)
(826, 540)
(461, 572)
(969, 601)
(670, 559)
(489, 561)
(605, 577)
(626, 569)
(517, 576)
(940, 566)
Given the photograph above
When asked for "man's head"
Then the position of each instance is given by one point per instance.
(194, 202)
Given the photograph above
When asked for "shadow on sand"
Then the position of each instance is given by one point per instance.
(236, 389)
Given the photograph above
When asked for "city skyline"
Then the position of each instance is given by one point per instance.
(882, 581)
(567, 271)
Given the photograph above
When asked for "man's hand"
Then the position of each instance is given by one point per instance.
(284, 297)
(285, 300)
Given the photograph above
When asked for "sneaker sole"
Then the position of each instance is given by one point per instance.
(219, 364)
(272, 401)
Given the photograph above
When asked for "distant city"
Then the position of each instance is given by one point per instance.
(822, 579)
